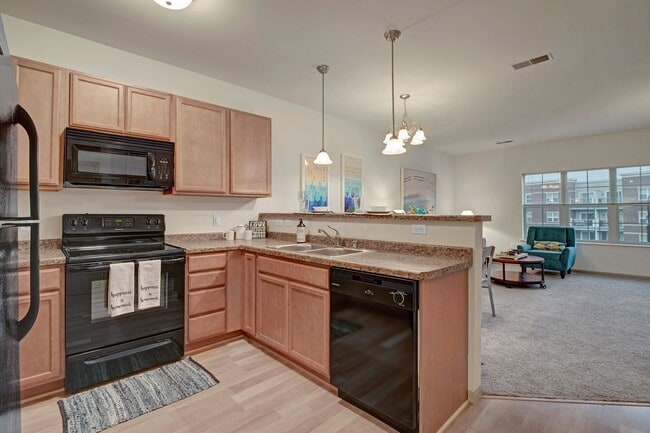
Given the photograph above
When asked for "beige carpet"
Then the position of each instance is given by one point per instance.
(586, 337)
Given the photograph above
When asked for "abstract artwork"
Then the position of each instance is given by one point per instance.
(315, 182)
(351, 183)
(418, 191)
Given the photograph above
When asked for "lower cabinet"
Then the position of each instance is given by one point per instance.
(42, 350)
(292, 311)
(205, 298)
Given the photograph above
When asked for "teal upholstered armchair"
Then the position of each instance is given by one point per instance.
(543, 242)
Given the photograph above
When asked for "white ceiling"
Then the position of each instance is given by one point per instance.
(453, 57)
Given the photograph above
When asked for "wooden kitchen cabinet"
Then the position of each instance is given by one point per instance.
(42, 91)
(249, 285)
(250, 154)
(96, 103)
(42, 352)
(205, 298)
(201, 152)
(292, 302)
(272, 318)
(149, 114)
(114, 107)
(309, 318)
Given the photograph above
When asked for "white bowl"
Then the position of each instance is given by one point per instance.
(380, 208)
(320, 208)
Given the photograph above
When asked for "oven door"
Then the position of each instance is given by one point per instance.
(88, 325)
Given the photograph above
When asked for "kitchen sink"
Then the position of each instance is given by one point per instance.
(298, 247)
(333, 251)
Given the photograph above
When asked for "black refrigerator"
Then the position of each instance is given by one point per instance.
(12, 327)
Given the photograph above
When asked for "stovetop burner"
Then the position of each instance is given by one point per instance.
(115, 237)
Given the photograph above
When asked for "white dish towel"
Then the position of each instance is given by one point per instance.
(121, 283)
(148, 284)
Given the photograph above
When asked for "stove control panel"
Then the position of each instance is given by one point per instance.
(110, 223)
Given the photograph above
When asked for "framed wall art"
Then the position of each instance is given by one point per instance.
(418, 190)
(314, 183)
(351, 183)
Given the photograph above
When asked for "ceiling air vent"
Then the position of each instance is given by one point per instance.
(504, 142)
(533, 61)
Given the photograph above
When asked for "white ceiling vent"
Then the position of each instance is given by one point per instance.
(533, 61)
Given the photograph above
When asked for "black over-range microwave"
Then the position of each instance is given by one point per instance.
(100, 160)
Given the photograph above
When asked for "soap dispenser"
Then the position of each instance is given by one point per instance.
(301, 232)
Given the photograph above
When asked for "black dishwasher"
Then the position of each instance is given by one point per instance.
(373, 345)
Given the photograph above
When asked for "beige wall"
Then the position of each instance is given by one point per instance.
(296, 130)
(490, 183)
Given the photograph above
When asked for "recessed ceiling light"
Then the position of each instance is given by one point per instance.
(174, 4)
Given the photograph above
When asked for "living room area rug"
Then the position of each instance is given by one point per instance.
(107, 405)
(586, 337)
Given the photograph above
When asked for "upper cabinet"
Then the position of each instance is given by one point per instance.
(96, 103)
(114, 107)
(201, 152)
(149, 113)
(42, 91)
(250, 154)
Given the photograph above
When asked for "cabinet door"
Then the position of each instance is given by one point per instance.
(41, 91)
(201, 148)
(96, 103)
(149, 113)
(41, 351)
(249, 293)
(250, 154)
(272, 299)
(309, 326)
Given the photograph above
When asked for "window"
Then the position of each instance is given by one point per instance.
(529, 198)
(602, 204)
(552, 217)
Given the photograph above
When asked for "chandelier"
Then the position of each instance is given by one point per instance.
(409, 132)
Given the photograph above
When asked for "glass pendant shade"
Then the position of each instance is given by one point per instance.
(403, 134)
(322, 158)
(174, 4)
(419, 136)
(388, 136)
(394, 146)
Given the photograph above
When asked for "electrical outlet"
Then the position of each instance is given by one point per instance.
(216, 219)
(278, 222)
(418, 229)
(288, 222)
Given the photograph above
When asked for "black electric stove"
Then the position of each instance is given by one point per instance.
(101, 347)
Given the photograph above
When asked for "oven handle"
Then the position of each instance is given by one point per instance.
(106, 265)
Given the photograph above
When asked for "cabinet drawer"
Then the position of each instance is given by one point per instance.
(311, 275)
(205, 301)
(206, 326)
(204, 280)
(205, 262)
(50, 280)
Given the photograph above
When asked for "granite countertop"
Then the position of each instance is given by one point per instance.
(420, 262)
(377, 216)
(49, 253)
(414, 261)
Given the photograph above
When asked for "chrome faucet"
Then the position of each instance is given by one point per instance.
(336, 240)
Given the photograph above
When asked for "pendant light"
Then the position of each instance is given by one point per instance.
(323, 158)
(394, 146)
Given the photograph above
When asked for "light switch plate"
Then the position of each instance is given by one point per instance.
(418, 229)
(216, 219)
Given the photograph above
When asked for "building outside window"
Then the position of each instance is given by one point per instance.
(602, 204)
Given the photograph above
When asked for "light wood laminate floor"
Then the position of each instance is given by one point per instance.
(259, 394)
